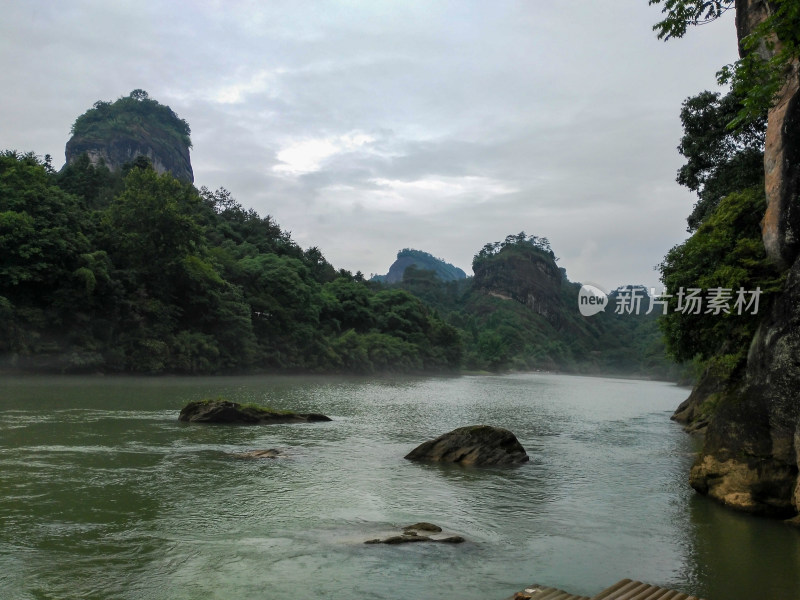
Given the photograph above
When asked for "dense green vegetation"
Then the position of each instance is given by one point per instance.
(133, 271)
(514, 244)
(725, 252)
(139, 272)
(134, 113)
(723, 143)
(724, 166)
(502, 333)
(719, 160)
(126, 270)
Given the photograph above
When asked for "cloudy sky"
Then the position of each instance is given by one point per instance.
(367, 126)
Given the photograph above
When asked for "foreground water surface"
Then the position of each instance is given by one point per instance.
(104, 494)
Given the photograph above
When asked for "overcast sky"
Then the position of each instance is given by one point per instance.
(364, 127)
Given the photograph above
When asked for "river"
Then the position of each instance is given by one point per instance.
(104, 494)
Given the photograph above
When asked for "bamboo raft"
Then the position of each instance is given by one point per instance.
(622, 590)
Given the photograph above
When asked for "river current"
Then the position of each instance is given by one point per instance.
(104, 494)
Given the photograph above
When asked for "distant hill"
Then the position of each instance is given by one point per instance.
(116, 133)
(520, 312)
(420, 260)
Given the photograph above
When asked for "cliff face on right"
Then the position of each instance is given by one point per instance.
(752, 448)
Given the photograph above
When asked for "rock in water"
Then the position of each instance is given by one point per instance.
(225, 411)
(478, 445)
(423, 526)
(419, 532)
(271, 453)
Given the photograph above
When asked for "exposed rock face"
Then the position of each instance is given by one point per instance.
(137, 125)
(781, 225)
(225, 411)
(750, 456)
(752, 447)
(530, 278)
(122, 149)
(479, 445)
(695, 412)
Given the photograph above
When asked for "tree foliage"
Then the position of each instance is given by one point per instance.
(520, 241)
(131, 113)
(725, 252)
(767, 52)
(719, 160)
(139, 272)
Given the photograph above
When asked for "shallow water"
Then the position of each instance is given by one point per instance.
(104, 494)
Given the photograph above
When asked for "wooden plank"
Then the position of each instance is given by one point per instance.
(636, 590)
(606, 593)
(626, 589)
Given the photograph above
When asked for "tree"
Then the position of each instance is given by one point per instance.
(152, 224)
(41, 230)
(725, 252)
(720, 160)
(139, 94)
(767, 52)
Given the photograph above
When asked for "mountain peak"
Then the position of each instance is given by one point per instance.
(134, 125)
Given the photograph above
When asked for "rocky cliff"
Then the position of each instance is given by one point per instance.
(136, 125)
(523, 273)
(752, 446)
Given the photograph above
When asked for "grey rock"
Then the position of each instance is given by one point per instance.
(225, 411)
(478, 445)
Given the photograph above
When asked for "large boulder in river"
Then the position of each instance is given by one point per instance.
(225, 411)
(478, 445)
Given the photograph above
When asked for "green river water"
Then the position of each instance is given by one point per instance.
(104, 494)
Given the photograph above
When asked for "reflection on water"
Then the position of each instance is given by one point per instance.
(104, 494)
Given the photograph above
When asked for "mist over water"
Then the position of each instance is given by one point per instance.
(104, 494)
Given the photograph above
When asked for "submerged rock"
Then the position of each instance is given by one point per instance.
(478, 445)
(411, 534)
(423, 526)
(225, 411)
(271, 453)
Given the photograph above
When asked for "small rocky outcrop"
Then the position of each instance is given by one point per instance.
(419, 532)
(225, 411)
(696, 411)
(477, 445)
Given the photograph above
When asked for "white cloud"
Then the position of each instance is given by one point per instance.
(258, 83)
(434, 194)
(307, 156)
(366, 127)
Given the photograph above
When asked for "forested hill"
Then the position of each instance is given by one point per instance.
(133, 271)
(421, 260)
(520, 312)
(128, 270)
